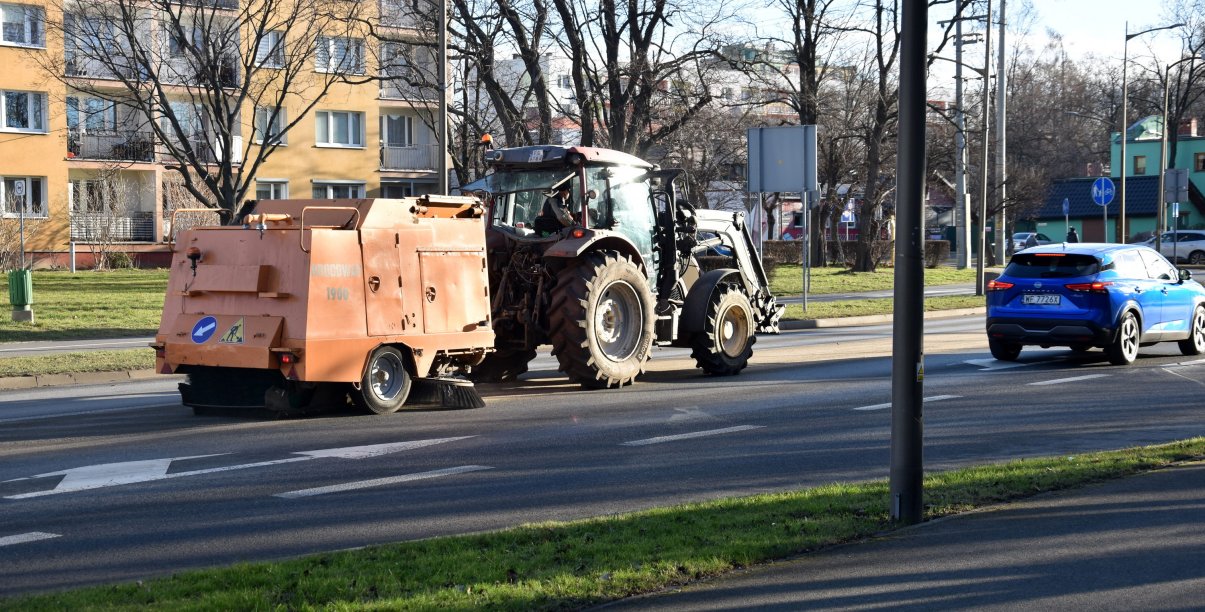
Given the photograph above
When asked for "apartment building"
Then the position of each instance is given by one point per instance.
(79, 162)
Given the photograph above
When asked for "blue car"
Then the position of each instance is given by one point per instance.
(1112, 296)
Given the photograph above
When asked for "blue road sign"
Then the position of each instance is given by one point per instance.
(1066, 206)
(1102, 191)
(203, 330)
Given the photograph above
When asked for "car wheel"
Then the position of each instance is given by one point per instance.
(1195, 343)
(1004, 351)
(1196, 258)
(1124, 349)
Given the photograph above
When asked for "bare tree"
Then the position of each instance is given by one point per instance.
(190, 73)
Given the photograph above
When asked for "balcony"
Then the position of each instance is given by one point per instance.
(116, 145)
(400, 89)
(414, 157)
(112, 227)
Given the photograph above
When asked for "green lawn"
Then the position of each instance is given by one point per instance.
(788, 279)
(557, 566)
(89, 305)
(71, 363)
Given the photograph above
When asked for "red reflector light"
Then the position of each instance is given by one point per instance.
(287, 358)
(578, 233)
(1096, 287)
(1047, 254)
(995, 285)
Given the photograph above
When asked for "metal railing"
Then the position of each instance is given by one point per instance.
(413, 157)
(111, 227)
(396, 87)
(120, 145)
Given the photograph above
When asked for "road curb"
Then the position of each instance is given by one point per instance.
(874, 319)
(80, 378)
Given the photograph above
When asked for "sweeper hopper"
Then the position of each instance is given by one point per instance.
(304, 304)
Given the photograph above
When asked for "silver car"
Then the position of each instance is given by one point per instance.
(1182, 245)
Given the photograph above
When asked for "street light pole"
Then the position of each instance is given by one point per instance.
(1159, 214)
(1001, 132)
(1125, 120)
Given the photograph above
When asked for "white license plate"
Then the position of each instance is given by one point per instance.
(1050, 298)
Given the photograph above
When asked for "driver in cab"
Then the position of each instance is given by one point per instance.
(556, 212)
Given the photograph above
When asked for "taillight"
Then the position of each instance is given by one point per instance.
(578, 233)
(288, 358)
(997, 285)
(1094, 287)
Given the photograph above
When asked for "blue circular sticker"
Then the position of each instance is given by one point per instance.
(203, 330)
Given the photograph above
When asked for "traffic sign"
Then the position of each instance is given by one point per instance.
(1066, 207)
(1102, 191)
(1175, 185)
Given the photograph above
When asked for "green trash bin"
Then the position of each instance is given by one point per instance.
(20, 289)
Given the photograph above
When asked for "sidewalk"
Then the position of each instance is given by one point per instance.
(1135, 543)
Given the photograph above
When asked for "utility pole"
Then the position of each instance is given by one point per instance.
(441, 131)
(907, 350)
(1001, 133)
(987, 64)
(960, 150)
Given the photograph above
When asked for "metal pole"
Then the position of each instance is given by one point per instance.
(442, 129)
(1105, 230)
(907, 351)
(987, 62)
(1001, 131)
(805, 199)
(1125, 56)
(21, 231)
(1162, 165)
(960, 149)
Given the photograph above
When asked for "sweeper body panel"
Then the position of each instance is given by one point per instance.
(308, 301)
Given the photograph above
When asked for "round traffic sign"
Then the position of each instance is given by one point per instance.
(1102, 191)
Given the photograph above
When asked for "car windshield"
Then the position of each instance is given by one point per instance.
(1051, 265)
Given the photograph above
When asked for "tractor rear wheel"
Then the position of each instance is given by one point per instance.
(601, 320)
(725, 345)
(386, 383)
(502, 366)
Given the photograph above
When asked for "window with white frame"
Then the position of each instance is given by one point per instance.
(397, 130)
(329, 190)
(23, 194)
(339, 128)
(270, 51)
(23, 111)
(339, 54)
(92, 115)
(23, 25)
(269, 125)
(271, 189)
(564, 81)
(92, 195)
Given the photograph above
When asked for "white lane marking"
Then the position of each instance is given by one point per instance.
(114, 474)
(1059, 381)
(687, 436)
(931, 398)
(1191, 363)
(380, 482)
(23, 538)
(987, 365)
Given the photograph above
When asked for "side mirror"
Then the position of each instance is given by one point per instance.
(1185, 274)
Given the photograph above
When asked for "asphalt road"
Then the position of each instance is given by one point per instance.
(98, 488)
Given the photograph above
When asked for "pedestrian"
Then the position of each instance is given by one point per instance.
(1072, 236)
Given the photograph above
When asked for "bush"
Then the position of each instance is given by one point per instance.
(936, 252)
(785, 251)
(119, 261)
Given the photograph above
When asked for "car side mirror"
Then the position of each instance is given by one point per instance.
(1185, 274)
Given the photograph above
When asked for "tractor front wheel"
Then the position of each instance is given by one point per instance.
(725, 345)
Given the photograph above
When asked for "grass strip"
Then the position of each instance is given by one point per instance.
(788, 279)
(71, 363)
(66, 306)
(877, 306)
(554, 566)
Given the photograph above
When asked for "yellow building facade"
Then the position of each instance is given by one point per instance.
(62, 143)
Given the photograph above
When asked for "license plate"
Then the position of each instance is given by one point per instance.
(1051, 298)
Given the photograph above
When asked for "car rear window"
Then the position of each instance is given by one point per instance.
(1033, 265)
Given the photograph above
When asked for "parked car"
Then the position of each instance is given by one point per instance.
(1182, 245)
(1019, 239)
(1112, 296)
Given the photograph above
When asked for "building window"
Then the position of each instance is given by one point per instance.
(23, 194)
(1199, 162)
(92, 115)
(23, 111)
(270, 126)
(22, 25)
(564, 82)
(270, 52)
(270, 189)
(1139, 164)
(336, 54)
(339, 129)
(329, 190)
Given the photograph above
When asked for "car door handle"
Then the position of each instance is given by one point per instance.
(1163, 291)
(1137, 289)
